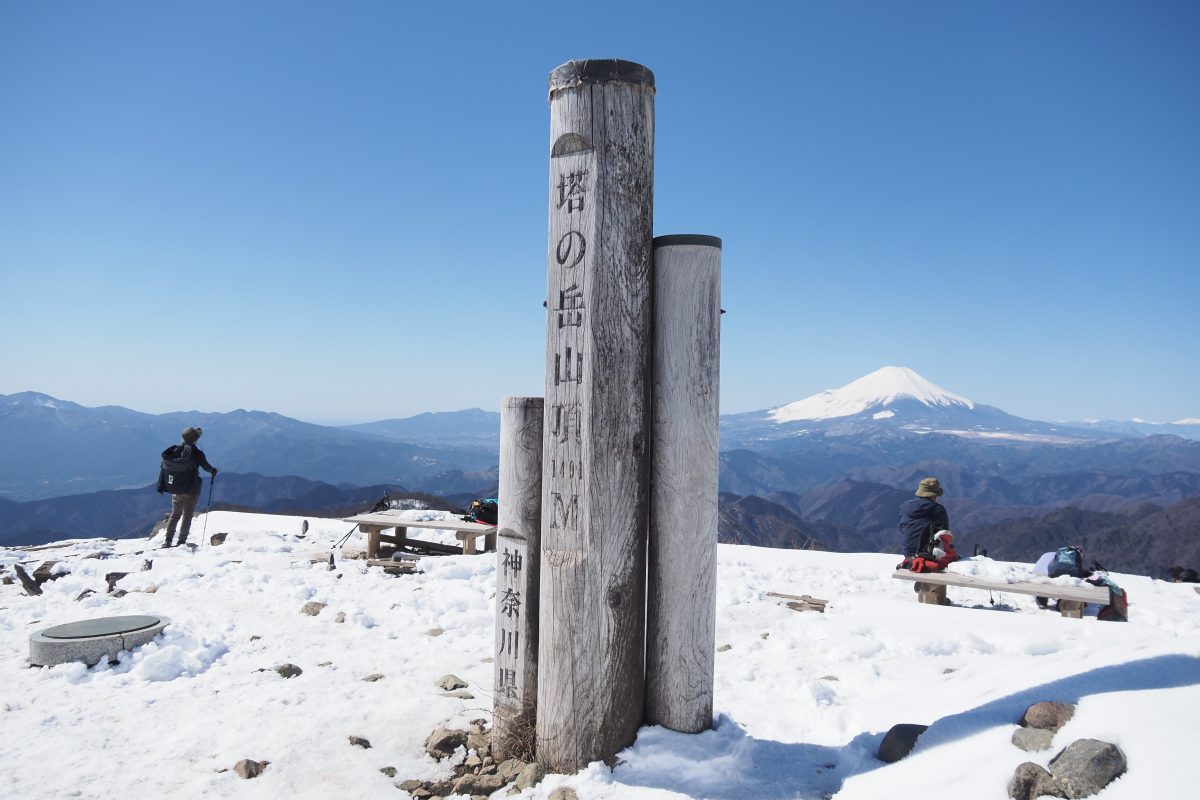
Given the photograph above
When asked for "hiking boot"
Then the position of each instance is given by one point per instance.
(182, 542)
(166, 543)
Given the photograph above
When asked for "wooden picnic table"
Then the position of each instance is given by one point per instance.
(375, 523)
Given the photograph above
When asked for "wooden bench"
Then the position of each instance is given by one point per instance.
(800, 602)
(931, 588)
(374, 525)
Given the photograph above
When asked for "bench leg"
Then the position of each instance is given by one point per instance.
(489, 543)
(932, 593)
(468, 545)
(372, 532)
(1071, 608)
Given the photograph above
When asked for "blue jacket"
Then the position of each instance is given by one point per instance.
(920, 519)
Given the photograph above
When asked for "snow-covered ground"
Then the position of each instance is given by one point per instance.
(802, 698)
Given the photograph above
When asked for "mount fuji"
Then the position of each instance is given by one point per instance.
(893, 400)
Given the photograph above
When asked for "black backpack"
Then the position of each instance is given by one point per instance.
(485, 510)
(179, 473)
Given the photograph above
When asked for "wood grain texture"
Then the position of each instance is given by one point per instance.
(397, 518)
(518, 559)
(27, 583)
(682, 579)
(1085, 594)
(594, 491)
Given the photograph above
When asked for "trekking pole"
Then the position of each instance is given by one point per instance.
(204, 531)
(342, 540)
(382, 505)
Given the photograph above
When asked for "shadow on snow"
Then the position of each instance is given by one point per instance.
(727, 763)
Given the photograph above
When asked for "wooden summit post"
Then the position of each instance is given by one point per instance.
(682, 582)
(591, 670)
(519, 533)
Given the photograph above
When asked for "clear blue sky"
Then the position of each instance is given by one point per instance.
(337, 210)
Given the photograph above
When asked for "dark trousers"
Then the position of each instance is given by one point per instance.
(182, 508)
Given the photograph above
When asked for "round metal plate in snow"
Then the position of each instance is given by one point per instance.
(104, 626)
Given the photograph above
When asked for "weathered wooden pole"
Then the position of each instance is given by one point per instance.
(518, 556)
(682, 580)
(595, 504)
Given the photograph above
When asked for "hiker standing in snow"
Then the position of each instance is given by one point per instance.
(921, 517)
(180, 476)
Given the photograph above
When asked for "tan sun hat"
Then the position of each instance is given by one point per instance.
(929, 487)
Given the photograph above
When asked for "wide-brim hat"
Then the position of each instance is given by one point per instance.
(929, 487)
(190, 435)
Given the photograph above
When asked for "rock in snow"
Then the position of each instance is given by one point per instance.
(442, 742)
(289, 670)
(1031, 781)
(1033, 740)
(451, 682)
(899, 741)
(248, 768)
(1047, 715)
(1086, 766)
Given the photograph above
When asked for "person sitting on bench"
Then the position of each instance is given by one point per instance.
(922, 517)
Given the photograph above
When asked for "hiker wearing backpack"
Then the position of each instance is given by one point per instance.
(180, 477)
(922, 517)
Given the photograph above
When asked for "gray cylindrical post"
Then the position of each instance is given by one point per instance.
(518, 556)
(681, 595)
(595, 503)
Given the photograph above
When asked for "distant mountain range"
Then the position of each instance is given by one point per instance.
(1187, 428)
(842, 462)
(828, 471)
(51, 447)
(896, 400)
(473, 426)
(129, 513)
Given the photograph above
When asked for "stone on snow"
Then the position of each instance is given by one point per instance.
(1086, 766)
(247, 768)
(451, 682)
(312, 608)
(899, 741)
(1031, 781)
(1048, 715)
(1032, 740)
(443, 742)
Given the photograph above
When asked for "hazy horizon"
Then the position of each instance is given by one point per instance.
(343, 422)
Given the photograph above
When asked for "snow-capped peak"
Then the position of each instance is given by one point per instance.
(881, 388)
